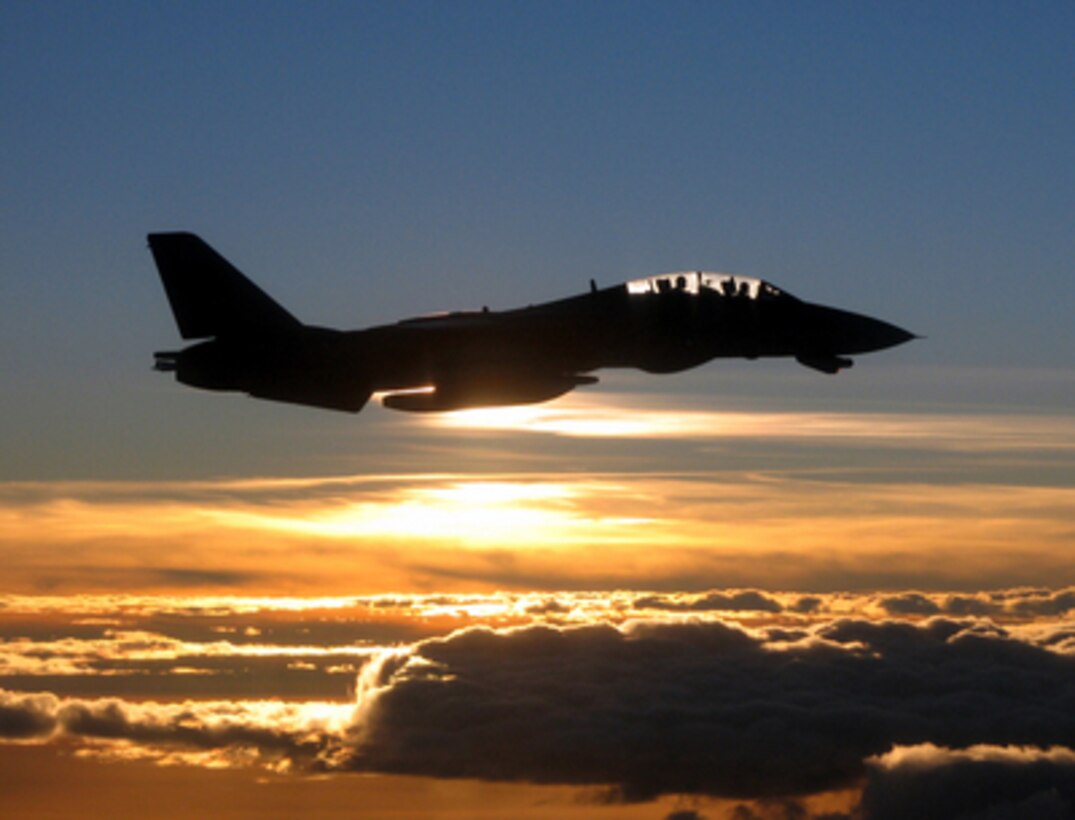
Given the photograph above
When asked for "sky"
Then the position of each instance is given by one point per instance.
(269, 605)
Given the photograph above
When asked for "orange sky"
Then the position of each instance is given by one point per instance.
(773, 500)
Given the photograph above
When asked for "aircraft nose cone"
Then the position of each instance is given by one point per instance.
(843, 332)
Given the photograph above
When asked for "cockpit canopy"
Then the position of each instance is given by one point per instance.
(696, 281)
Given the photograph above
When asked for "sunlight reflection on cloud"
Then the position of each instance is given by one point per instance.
(623, 416)
(762, 528)
(470, 512)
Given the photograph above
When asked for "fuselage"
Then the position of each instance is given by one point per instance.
(542, 351)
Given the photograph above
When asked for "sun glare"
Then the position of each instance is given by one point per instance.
(617, 416)
(576, 417)
(477, 513)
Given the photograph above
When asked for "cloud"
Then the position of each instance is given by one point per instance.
(688, 530)
(705, 707)
(151, 635)
(279, 735)
(747, 600)
(909, 603)
(984, 782)
(1045, 602)
(685, 702)
(122, 652)
(198, 577)
(1029, 603)
(25, 717)
(620, 416)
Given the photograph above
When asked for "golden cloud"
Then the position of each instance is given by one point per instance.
(632, 530)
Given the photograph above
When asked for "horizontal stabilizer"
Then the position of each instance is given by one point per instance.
(208, 295)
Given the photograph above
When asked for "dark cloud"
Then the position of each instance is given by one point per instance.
(268, 735)
(705, 707)
(26, 717)
(771, 810)
(549, 606)
(672, 704)
(747, 600)
(806, 604)
(1059, 602)
(1024, 603)
(1020, 603)
(199, 577)
(983, 783)
(963, 605)
(909, 603)
(74, 576)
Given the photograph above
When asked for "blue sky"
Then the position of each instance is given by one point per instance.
(366, 162)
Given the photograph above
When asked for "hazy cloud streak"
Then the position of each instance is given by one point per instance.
(633, 416)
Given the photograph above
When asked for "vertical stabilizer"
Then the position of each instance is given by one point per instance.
(208, 295)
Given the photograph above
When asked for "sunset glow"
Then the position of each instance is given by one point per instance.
(715, 527)
(474, 513)
(611, 416)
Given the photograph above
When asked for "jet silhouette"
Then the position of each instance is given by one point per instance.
(450, 361)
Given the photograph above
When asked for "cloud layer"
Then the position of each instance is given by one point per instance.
(770, 698)
(810, 529)
(706, 707)
(646, 708)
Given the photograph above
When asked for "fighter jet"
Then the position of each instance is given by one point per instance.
(450, 361)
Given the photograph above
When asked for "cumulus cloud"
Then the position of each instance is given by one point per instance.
(1005, 605)
(681, 701)
(984, 782)
(747, 600)
(1024, 603)
(25, 717)
(909, 603)
(706, 707)
(271, 733)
